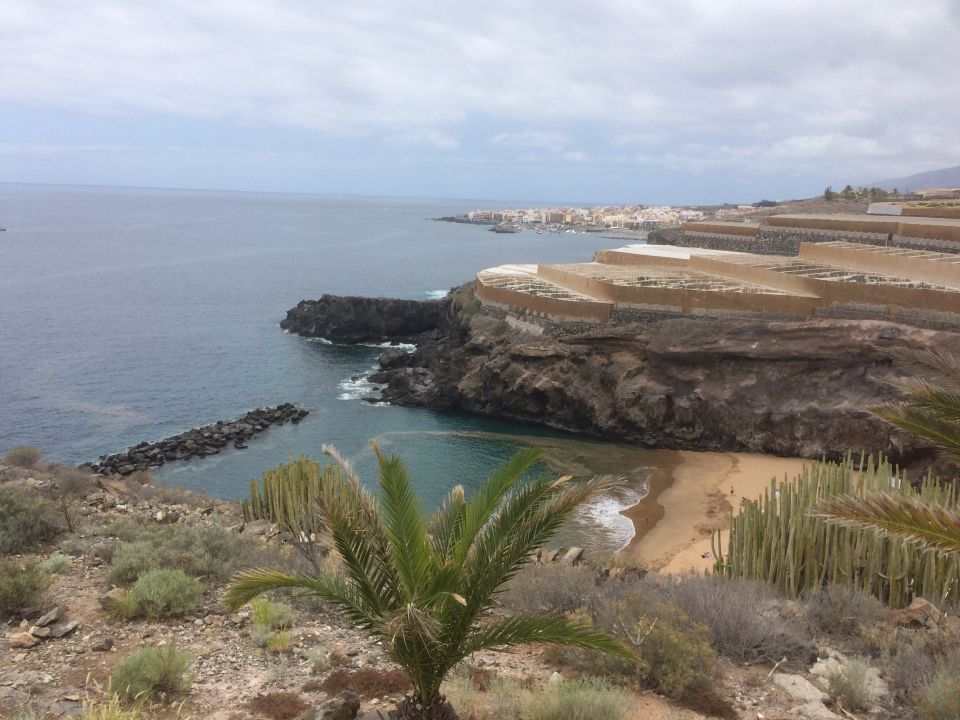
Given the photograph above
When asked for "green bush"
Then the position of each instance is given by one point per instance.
(847, 685)
(152, 674)
(129, 561)
(164, 593)
(676, 652)
(940, 698)
(26, 520)
(272, 615)
(56, 563)
(21, 585)
(583, 699)
(200, 552)
(25, 456)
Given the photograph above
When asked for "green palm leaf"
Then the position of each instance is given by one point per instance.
(546, 629)
(928, 525)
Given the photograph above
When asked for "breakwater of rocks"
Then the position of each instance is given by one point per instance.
(199, 442)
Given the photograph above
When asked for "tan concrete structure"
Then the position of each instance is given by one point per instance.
(831, 277)
(913, 227)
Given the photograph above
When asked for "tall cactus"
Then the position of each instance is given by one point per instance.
(778, 540)
(287, 496)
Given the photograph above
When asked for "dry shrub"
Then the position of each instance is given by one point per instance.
(551, 588)
(912, 658)
(152, 674)
(277, 705)
(21, 585)
(847, 685)
(843, 610)
(25, 456)
(26, 520)
(939, 699)
(742, 616)
(367, 682)
(161, 594)
(209, 552)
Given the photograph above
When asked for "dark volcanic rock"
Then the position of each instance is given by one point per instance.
(358, 319)
(199, 442)
(787, 388)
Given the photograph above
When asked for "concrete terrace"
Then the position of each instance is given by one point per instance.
(825, 279)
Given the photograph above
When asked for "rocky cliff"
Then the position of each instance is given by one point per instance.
(787, 388)
(362, 319)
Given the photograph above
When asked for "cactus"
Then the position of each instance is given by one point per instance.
(287, 496)
(778, 540)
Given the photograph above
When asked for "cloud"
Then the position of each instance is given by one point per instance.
(693, 85)
(531, 139)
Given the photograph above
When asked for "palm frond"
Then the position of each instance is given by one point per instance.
(405, 527)
(546, 629)
(906, 416)
(934, 399)
(249, 584)
(479, 509)
(927, 525)
(936, 367)
(445, 525)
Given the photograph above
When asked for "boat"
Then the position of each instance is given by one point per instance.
(505, 228)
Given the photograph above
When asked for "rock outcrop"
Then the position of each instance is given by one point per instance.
(786, 388)
(199, 442)
(359, 319)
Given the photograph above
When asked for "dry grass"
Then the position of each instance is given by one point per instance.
(277, 705)
(367, 682)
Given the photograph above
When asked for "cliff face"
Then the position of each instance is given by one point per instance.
(788, 388)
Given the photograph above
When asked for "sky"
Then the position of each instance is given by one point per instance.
(619, 101)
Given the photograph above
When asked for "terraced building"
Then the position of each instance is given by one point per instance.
(832, 277)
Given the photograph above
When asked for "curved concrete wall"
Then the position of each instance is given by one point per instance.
(557, 308)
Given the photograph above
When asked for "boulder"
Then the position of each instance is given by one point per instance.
(40, 632)
(799, 688)
(393, 357)
(62, 629)
(49, 617)
(21, 640)
(344, 706)
(919, 613)
(112, 599)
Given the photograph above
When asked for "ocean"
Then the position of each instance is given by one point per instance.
(131, 314)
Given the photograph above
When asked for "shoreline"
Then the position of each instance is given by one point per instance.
(691, 495)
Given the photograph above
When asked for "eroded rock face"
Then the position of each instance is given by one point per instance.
(342, 319)
(795, 388)
(786, 388)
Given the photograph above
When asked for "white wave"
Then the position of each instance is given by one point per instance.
(436, 294)
(604, 514)
(321, 340)
(357, 387)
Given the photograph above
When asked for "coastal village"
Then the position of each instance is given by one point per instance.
(654, 217)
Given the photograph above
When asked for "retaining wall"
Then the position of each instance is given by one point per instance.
(558, 308)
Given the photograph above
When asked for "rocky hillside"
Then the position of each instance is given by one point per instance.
(786, 388)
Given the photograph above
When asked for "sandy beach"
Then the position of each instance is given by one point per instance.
(691, 494)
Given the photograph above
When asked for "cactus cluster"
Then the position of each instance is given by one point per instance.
(288, 496)
(777, 539)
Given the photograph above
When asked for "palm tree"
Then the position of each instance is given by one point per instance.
(931, 409)
(423, 585)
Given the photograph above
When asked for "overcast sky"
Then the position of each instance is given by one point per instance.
(619, 101)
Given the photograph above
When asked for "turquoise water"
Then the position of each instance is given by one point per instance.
(129, 315)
